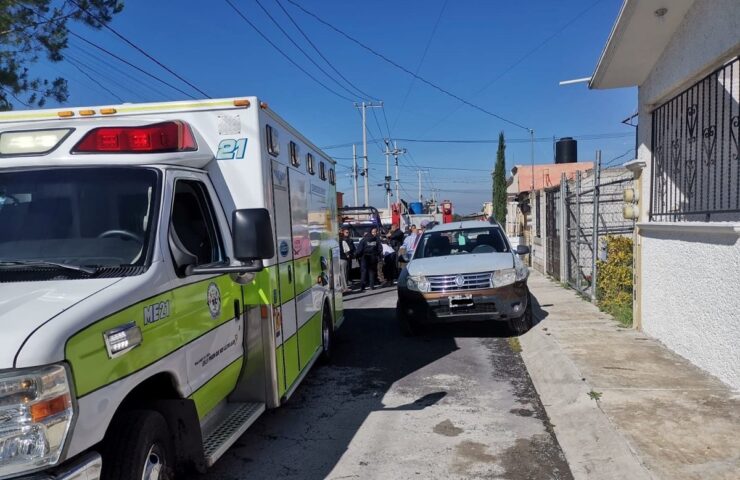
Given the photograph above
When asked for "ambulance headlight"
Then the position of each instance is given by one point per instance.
(35, 417)
(32, 142)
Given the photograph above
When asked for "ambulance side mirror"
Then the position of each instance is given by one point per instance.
(252, 235)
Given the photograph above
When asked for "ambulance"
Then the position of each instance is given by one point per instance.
(167, 273)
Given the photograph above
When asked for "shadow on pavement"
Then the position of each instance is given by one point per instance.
(307, 437)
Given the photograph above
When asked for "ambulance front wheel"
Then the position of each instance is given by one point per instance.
(138, 446)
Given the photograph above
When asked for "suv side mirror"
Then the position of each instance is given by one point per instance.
(252, 234)
(522, 249)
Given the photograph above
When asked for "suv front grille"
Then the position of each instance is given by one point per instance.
(456, 283)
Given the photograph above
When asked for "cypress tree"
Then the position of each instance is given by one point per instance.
(499, 182)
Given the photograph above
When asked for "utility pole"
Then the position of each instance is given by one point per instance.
(354, 171)
(396, 152)
(364, 106)
(531, 137)
(419, 172)
(387, 183)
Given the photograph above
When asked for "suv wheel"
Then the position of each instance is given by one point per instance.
(408, 324)
(521, 325)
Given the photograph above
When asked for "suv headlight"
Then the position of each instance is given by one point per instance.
(501, 278)
(522, 271)
(35, 417)
(418, 284)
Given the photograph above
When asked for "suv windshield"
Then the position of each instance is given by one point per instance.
(91, 217)
(462, 241)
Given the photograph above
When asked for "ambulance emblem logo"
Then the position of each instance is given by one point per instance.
(213, 298)
(284, 249)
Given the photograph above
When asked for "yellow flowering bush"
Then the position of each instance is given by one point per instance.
(614, 283)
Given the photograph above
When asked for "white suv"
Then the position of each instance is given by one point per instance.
(465, 271)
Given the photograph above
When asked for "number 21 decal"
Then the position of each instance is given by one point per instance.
(231, 149)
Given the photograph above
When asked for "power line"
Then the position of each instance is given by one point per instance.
(287, 57)
(308, 39)
(404, 69)
(141, 50)
(618, 157)
(310, 59)
(78, 67)
(9, 92)
(521, 59)
(375, 116)
(135, 67)
(122, 60)
(585, 137)
(105, 63)
(421, 61)
(102, 76)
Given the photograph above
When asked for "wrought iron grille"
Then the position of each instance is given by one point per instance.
(695, 159)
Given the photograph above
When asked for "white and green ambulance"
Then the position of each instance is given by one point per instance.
(167, 272)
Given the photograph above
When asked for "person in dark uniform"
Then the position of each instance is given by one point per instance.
(369, 252)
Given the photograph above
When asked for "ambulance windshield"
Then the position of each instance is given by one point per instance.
(95, 218)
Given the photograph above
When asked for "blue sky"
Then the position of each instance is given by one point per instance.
(525, 46)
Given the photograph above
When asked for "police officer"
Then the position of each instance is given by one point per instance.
(369, 251)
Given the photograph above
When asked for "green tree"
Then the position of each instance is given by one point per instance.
(499, 182)
(30, 29)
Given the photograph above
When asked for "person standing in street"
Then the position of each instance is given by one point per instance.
(346, 254)
(369, 252)
(395, 237)
(409, 243)
(388, 263)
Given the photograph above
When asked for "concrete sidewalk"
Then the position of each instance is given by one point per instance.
(623, 405)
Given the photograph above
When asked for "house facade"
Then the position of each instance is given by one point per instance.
(683, 56)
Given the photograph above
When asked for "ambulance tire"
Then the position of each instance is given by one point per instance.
(327, 336)
(138, 446)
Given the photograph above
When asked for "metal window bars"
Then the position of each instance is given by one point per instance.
(695, 152)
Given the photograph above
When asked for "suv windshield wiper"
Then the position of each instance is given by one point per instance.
(45, 263)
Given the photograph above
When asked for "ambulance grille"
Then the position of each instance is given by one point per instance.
(237, 418)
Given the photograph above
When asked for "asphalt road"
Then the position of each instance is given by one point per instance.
(455, 402)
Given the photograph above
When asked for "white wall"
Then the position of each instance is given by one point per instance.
(691, 278)
(691, 297)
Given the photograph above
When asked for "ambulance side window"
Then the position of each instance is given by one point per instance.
(193, 221)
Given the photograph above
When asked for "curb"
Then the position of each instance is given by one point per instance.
(591, 444)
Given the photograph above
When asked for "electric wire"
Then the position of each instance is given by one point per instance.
(305, 54)
(287, 57)
(421, 62)
(101, 60)
(117, 57)
(78, 67)
(101, 76)
(313, 45)
(135, 67)
(596, 136)
(519, 61)
(141, 50)
(406, 70)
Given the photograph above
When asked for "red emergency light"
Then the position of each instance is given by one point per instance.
(175, 136)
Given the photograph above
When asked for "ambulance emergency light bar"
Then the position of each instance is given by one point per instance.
(164, 137)
(175, 136)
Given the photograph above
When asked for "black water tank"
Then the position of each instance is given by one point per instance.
(566, 150)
